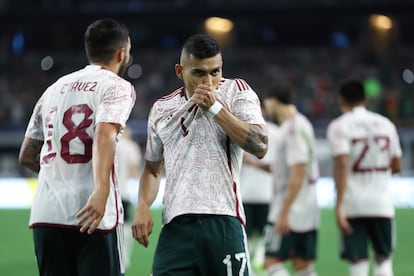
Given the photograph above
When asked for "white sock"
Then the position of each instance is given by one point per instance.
(383, 268)
(259, 254)
(359, 269)
(277, 270)
(309, 271)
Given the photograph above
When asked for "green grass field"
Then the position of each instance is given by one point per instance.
(17, 257)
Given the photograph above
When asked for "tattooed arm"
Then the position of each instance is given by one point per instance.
(29, 155)
(251, 138)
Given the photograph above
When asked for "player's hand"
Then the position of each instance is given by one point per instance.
(282, 224)
(142, 224)
(204, 96)
(91, 215)
(343, 221)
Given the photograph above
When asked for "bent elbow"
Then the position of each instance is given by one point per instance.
(23, 160)
(396, 165)
(260, 154)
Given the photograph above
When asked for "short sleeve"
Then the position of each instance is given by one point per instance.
(395, 143)
(337, 138)
(154, 149)
(246, 104)
(35, 127)
(116, 103)
(297, 150)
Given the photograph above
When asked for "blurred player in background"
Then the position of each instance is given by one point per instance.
(291, 233)
(256, 180)
(70, 141)
(198, 133)
(366, 150)
(129, 158)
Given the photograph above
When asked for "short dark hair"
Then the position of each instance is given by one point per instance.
(201, 46)
(352, 92)
(281, 90)
(103, 38)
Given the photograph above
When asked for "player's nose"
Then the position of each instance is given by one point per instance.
(208, 80)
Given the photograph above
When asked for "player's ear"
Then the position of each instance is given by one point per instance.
(121, 54)
(179, 71)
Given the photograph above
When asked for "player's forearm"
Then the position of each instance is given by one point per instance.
(148, 190)
(150, 183)
(296, 177)
(396, 164)
(29, 155)
(340, 178)
(103, 152)
(251, 138)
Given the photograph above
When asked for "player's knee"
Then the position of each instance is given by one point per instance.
(300, 264)
(383, 266)
(277, 269)
(360, 268)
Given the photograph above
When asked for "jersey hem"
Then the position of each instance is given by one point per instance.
(68, 226)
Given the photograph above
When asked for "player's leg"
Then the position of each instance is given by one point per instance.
(382, 234)
(176, 252)
(223, 244)
(54, 251)
(261, 212)
(277, 269)
(100, 253)
(359, 268)
(308, 271)
(305, 253)
(276, 251)
(354, 248)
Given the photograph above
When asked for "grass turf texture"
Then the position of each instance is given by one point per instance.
(17, 255)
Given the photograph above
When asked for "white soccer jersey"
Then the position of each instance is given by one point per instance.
(371, 141)
(256, 184)
(297, 146)
(202, 164)
(64, 118)
(128, 154)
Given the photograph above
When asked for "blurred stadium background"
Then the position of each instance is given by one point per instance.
(314, 44)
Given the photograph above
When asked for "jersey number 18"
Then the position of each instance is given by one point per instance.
(74, 131)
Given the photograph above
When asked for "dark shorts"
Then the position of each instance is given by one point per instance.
(202, 245)
(292, 245)
(67, 252)
(379, 231)
(256, 217)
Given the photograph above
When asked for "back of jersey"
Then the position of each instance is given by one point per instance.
(69, 111)
(371, 141)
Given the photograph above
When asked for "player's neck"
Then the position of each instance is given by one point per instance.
(110, 67)
(352, 107)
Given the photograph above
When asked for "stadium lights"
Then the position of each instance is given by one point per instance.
(219, 28)
(46, 63)
(218, 25)
(381, 22)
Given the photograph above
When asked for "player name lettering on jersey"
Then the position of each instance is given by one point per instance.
(78, 86)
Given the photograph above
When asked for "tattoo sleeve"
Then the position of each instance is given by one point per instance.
(256, 141)
(29, 156)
